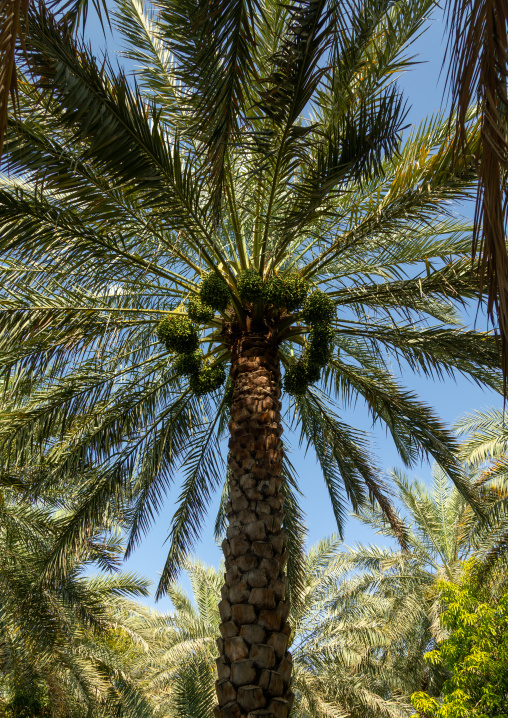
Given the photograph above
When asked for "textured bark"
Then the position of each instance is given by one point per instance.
(254, 665)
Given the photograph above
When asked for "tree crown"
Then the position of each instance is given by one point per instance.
(252, 179)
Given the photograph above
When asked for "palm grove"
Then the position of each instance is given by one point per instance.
(239, 239)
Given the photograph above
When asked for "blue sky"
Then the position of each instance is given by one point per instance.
(423, 87)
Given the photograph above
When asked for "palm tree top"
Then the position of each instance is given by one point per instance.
(252, 181)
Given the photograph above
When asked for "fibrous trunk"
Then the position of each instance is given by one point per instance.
(254, 666)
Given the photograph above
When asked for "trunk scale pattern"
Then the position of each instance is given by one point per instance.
(254, 666)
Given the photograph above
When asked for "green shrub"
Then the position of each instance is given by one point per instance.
(475, 654)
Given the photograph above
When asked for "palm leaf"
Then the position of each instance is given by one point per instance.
(478, 61)
(214, 46)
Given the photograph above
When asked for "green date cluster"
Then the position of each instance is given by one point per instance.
(287, 292)
(318, 311)
(179, 333)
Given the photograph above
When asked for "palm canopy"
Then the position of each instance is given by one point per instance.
(257, 159)
(484, 450)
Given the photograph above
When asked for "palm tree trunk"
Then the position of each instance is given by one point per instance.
(254, 667)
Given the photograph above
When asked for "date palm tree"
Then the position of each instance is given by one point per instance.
(247, 203)
(57, 636)
(63, 644)
(443, 532)
(403, 584)
(484, 450)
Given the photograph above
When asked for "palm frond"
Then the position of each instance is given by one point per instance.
(352, 151)
(151, 160)
(486, 436)
(343, 461)
(214, 45)
(478, 62)
(203, 471)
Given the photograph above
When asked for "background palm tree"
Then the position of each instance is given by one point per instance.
(58, 634)
(249, 203)
(402, 585)
(330, 648)
(442, 533)
(178, 670)
(484, 450)
(336, 645)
